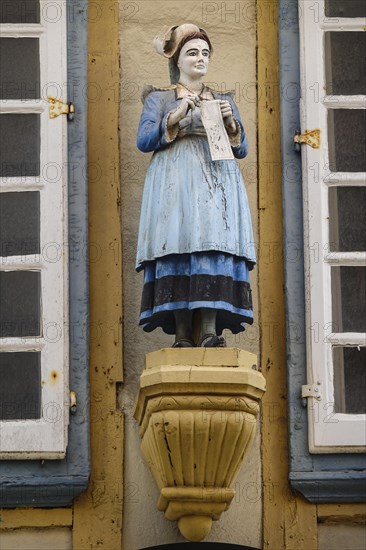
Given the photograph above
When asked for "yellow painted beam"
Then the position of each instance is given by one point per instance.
(341, 513)
(288, 521)
(98, 512)
(35, 517)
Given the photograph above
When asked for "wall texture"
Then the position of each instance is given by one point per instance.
(233, 67)
(33, 539)
(347, 537)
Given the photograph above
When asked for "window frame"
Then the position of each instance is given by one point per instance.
(319, 477)
(45, 437)
(329, 431)
(54, 483)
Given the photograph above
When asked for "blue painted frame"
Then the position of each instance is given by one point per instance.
(326, 477)
(54, 483)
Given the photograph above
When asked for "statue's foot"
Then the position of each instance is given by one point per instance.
(212, 341)
(183, 343)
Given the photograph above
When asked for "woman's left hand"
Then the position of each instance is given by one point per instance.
(227, 115)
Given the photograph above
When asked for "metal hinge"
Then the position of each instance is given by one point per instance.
(311, 390)
(58, 108)
(310, 137)
(73, 403)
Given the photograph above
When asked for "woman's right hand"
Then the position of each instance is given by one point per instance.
(188, 102)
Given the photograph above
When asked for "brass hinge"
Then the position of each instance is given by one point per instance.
(311, 390)
(309, 137)
(73, 403)
(58, 108)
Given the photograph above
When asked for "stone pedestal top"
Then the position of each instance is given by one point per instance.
(233, 357)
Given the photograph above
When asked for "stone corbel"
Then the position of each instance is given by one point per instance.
(197, 410)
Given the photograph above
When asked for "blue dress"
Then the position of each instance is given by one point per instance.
(195, 242)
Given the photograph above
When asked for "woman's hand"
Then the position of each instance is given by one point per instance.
(188, 102)
(227, 115)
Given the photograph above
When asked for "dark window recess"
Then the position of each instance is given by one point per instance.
(20, 301)
(19, 223)
(345, 71)
(347, 140)
(350, 380)
(349, 299)
(19, 11)
(19, 145)
(20, 385)
(19, 68)
(347, 219)
(345, 8)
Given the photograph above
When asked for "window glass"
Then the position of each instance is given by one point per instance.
(347, 219)
(19, 11)
(19, 68)
(20, 303)
(347, 140)
(19, 223)
(345, 8)
(349, 298)
(20, 145)
(20, 385)
(345, 63)
(350, 379)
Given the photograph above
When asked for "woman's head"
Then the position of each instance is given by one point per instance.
(171, 42)
(201, 35)
(193, 56)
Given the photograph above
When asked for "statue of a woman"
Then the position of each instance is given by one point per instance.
(195, 240)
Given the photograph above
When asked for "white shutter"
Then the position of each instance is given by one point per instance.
(44, 437)
(329, 431)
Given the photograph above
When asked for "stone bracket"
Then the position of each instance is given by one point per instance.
(197, 410)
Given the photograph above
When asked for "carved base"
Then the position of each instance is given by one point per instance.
(195, 508)
(197, 412)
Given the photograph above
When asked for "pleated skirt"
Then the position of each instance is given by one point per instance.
(213, 280)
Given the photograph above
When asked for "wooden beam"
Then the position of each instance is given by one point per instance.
(35, 517)
(288, 521)
(98, 512)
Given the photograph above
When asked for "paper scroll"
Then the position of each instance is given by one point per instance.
(213, 123)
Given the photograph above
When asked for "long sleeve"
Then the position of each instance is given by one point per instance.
(240, 151)
(152, 133)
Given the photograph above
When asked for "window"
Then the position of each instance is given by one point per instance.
(333, 100)
(34, 379)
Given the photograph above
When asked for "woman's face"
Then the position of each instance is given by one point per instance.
(194, 58)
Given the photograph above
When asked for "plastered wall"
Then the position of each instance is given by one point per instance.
(347, 537)
(34, 539)
(233, 67)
